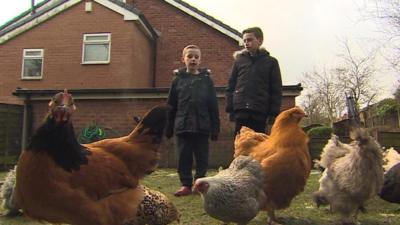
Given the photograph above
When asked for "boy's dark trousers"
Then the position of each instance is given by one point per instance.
(253, 120)
(190, 144)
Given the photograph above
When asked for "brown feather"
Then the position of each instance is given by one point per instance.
(101, 192)
(284, 157)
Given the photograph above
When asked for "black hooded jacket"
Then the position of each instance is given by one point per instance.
(255, 84)
(194, 104)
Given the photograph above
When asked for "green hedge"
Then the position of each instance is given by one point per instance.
(320, 132)
(319, 136)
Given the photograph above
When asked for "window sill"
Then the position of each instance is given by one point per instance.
(94, 63)
(31, 78)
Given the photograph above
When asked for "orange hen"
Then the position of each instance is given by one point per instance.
(284, 157)
(61, 181)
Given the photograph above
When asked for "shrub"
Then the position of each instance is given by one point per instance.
(320, 132)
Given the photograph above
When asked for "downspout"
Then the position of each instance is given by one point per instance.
(154, 62)
(27, 122)
(32, 6)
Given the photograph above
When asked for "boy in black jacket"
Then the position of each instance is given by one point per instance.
(254, 90)
(194, 117)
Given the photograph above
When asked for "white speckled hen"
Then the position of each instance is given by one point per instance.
(235, 194)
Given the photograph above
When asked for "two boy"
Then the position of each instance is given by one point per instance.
(253, 97)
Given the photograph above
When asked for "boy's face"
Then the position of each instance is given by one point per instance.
(251, 43)
(192, 58)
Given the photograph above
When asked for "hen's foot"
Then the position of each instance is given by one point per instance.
(276, 221)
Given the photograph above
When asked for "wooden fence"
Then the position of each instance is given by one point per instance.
(11, 117)
(385, 139)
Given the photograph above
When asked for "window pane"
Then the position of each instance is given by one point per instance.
(32, 67)
(97, 38)
(97, 52)
(33, 53)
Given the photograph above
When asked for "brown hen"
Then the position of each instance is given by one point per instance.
(284, 157)
(61, 181)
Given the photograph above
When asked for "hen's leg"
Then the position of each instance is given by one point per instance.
(271, 218)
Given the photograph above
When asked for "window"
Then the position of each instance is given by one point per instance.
(32, 64)
(96, 48)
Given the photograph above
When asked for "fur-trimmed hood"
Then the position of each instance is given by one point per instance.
(202, 71)
(261, 51)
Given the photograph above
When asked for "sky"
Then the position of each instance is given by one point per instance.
(301, 34)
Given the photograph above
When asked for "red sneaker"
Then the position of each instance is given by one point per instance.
(183, 191)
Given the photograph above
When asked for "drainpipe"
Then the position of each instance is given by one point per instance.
(26, 123)
(32, 6)
(155, 62)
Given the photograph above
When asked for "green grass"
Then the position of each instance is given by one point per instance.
(301, 212)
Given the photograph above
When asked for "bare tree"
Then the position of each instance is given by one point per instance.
(356, 74)
(387, 13)
(396, 94)
(313, 108)
(324, 95)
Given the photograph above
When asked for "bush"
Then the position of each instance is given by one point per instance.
(320, 132)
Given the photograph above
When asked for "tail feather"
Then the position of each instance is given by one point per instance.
(333, 150)
(246, 140)
(153, 123)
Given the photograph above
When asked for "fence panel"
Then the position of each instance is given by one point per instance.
(11, 117)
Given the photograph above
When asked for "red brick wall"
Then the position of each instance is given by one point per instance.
(130, 67)
(178, 29)
(117, 115)
(61, 38)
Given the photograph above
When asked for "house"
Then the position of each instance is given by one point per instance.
(116, 57)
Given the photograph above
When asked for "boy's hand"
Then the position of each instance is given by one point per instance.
(231, 117)
(214, 137)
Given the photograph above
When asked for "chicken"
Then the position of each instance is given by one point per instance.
(353, 174)
(234, 194)
(61, 181)
(284, 158)
(391, 186)
(156, 209)
(391, 158)
(8, 195)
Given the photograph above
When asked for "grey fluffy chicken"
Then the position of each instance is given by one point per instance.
(353, 174)
(235, 194)
(8, 195)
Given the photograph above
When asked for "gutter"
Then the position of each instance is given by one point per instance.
(127, 93)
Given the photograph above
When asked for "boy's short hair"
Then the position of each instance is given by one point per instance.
(255, 30)
(185, 49)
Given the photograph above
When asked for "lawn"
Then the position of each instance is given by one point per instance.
(301, 212)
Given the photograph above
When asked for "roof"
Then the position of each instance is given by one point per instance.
(49, 8)
(126, 93)
(207, 19)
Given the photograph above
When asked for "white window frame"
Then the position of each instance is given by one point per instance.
(25, 56)
(94, 42)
